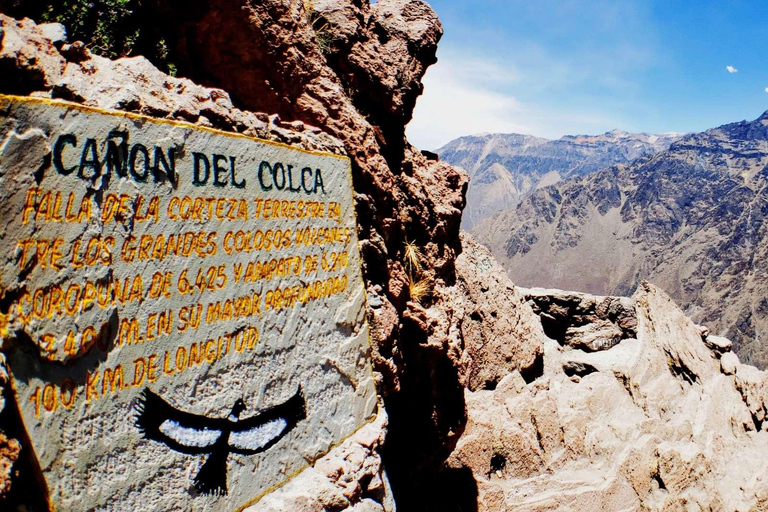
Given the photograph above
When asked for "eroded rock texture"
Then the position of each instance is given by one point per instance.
(659, 421)
(350, 477)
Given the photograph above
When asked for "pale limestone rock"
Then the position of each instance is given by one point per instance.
(752, 384)
(719, 344)
(729, 362)
(349, 478)
(56, 32)
(600, 335)
(675, 334)
(657, 426)
(499, 332)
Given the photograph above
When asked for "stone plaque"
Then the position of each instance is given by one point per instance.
(182, 309)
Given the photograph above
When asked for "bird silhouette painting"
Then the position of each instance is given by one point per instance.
(218, 437)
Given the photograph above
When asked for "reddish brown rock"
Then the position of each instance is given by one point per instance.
(9, 454)
(354, 68)
(499, 332)
(28, 60)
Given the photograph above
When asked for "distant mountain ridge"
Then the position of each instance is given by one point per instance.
(692, 219)
(506, 168)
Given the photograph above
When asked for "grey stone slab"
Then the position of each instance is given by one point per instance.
(127, 283)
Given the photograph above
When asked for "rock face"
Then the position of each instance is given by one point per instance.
(69, 72)
(350, 477)
(691, 219)
(361, 90)
(651, 423)
(506, 168)
(497, 330)
(208, 318)
(354, 68)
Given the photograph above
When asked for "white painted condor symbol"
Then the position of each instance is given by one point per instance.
(193, 434)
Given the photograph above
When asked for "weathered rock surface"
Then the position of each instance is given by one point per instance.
(654, 424)
(505, 168)
(351, 477)
(692, 219)
(499, 333)
(135, 85)
(354, 68)
(9, 454)
(34, 66)
(582, 320)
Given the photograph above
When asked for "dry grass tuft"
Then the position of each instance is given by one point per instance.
(412, 257)
(324, 38)
(420, 290)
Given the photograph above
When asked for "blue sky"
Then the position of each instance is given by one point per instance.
(556, 67)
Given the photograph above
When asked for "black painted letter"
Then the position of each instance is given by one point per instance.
(219, 171)
(235, 184)
(196, 179)
(304, 172)
(135, 150)
(169, 166)
(280, 185)
(262, 166)
(117, 155)
(319, 181)
(58, 148)
(91, 160)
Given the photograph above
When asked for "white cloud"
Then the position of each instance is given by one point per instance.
(456, 103)
(766, 89)
(731, 69)
(466, 95)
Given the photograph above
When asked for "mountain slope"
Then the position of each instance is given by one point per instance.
(505, 168)
(692, 219)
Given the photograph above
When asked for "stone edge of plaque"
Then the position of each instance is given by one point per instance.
(5, 99)
(375, 413)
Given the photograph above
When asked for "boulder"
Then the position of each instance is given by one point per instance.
(600, 335)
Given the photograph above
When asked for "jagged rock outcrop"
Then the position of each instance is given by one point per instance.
(35, 66)
(505, 168)
(498, 332)
(10, 448)
(692, 219)
(651, 423)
